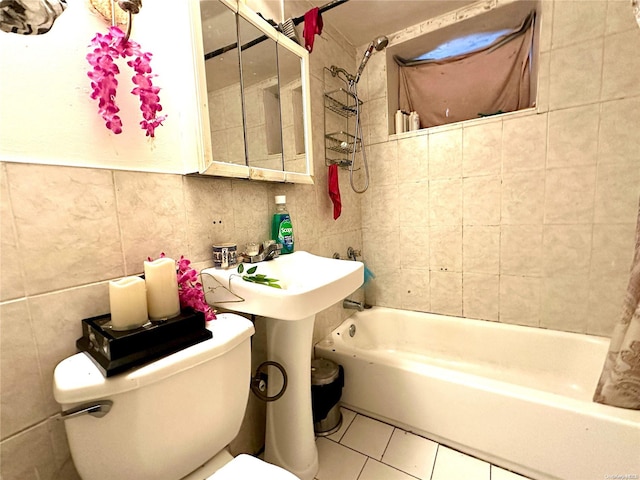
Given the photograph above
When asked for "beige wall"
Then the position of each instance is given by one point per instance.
(526, 218)
(67, 231)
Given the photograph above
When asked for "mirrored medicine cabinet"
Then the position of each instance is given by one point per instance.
(255, 102)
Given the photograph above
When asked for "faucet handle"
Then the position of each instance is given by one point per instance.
(353, 254)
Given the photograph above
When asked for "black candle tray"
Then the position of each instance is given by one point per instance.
(116, 351)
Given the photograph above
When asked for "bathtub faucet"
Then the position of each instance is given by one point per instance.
(347, 303)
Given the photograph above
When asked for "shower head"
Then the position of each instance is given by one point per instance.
(378, 44)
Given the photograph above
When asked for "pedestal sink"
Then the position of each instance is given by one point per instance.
(309, 285)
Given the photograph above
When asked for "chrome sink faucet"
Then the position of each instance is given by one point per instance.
(268, 251)
(272, 251)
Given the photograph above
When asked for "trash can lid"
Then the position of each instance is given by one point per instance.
(323, 371)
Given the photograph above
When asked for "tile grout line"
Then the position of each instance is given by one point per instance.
(384, 451)
(363, 465)
(435, 459)
(387, 445)
(367, 457)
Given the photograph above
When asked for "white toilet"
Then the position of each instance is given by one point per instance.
(170, 419)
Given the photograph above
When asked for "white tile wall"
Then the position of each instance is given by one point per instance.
(413, 155)
(576, 73)
(524, 143)
(530, 217)
(445, 246)
(445, 154)
(522, 198)
(520, 298)
(573, 136)
(481, 200)
(481, 296)
(570, 195)
(576, 22)
(618, 77)
(481, 249)
(545, 204)
(446, 292)
(482, 149)
(445, 202)
(415, 289)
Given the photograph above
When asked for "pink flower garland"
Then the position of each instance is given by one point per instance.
(190, 290)
(106, 49)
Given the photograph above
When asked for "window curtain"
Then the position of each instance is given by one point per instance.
(493, 80)
(619, 383)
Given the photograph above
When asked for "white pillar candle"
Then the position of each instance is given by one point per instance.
(128, 301)
(162, 288)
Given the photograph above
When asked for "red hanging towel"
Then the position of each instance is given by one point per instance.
(312, 27)
(334, 190)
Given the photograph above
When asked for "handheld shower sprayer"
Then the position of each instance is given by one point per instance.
(377, 44)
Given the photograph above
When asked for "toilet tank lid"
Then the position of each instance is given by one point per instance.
(77, 379)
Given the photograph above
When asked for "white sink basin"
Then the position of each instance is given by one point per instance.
(309, 284)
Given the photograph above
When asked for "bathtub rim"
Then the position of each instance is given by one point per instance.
(617, 414)
(539, 434)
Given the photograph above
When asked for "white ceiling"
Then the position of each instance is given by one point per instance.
(360, 21)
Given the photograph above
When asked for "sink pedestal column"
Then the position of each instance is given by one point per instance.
(290, 441)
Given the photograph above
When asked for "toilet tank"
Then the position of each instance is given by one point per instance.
(169, 416)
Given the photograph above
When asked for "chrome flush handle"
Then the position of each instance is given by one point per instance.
(97, 410)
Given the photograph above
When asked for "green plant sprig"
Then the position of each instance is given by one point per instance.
(260, 278)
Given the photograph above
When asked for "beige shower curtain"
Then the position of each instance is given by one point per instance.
(485, 82)
(619, 383)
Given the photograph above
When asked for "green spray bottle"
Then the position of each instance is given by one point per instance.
(281, 227)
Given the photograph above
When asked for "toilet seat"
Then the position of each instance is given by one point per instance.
(247, 467)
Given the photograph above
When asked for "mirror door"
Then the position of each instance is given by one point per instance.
(254, 99)
(261, 98)
(291, 106)
(224, 92)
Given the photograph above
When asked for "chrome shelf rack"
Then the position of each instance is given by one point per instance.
(341, 102)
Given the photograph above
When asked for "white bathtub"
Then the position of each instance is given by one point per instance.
(518, 397)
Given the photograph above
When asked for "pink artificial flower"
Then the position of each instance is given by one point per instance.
(162, 255)
(106, 49)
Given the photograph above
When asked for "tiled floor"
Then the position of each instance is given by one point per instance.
(366, 449)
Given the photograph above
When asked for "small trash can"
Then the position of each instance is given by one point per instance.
(327, 380)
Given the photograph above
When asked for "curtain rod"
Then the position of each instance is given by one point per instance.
(296, 21)
(322, 9)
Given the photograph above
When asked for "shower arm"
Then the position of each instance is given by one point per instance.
(336, 71)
